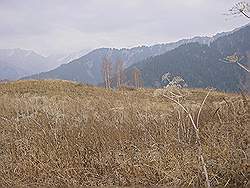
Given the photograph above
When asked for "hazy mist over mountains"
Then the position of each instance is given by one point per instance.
(87, 68)
(64, 27)
(17, 63)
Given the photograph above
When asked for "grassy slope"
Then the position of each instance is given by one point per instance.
(59, 133)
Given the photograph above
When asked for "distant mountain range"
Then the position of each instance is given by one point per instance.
(199, 64)
(195, 59)
(18, 63)
(87, 68)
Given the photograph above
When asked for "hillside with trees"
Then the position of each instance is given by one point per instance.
(200, 65)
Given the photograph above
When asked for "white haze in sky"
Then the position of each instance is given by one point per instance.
(65, 26)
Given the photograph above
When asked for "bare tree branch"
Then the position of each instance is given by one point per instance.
(241, 8)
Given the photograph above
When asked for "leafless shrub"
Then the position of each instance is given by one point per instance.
(173, 81)
(176, 100)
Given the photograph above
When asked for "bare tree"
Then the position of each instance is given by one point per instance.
(136, 75)
(241, 8)
(107, 71)
(119, 73)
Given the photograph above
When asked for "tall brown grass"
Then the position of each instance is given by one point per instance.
(62, 134)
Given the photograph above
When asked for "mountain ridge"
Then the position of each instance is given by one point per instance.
(200, 64)
(20, 62)
(88, 67)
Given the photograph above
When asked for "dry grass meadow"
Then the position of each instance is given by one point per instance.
(63, 134)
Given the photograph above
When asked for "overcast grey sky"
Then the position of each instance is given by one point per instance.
(65, 26)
